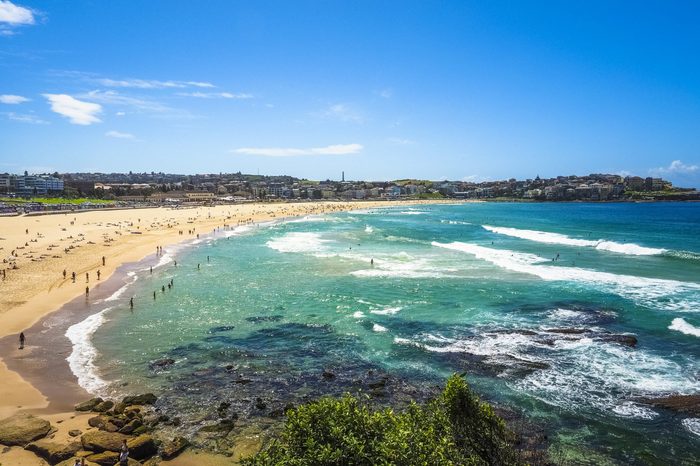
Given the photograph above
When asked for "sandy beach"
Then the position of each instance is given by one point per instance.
(38, 251)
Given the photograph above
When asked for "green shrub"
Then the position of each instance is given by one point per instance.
(454, 429)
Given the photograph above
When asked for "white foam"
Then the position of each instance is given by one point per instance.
(413, 212)
(298, 242)
(578, 373)
(646, 291)
(682, 326)
(692, 424)
(369, 229)
(455, 222)
(386, 311)
(239, 230)
(358, 314)
(379, 328)
(630, 409)
(82, 357)
(557, 238)
(117, 294)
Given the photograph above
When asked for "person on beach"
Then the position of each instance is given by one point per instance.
(151, 270)
(21, 340)
(87, 291)
(87, 277)
(76, 462)
(64, 274)
(162, 289)
(131, 303)
(124, 454)
(98, 274)
(103, 261)
(154, 296)
(73, 276)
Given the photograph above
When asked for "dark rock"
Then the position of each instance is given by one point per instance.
(140, 430)
(144, 399)
(260, 404)
(626, 340)
(130, 427)
(223, 328)
(109, 458)
(53, 452)
(142, 447)
(103, 406)
(22, 428)
(379, 383)
(75, 432)
(686, 404)
(568, 331)
(174, 447)
(99, 441)
(88, 405)
(242, 381)
(119, 408)
(98, 421)
(225, 425)
(328, 375)
(163, 362)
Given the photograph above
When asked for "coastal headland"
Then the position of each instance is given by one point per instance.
(41, 253)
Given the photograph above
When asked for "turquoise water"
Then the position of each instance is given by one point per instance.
(535, 302)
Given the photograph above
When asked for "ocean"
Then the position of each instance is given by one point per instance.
(567, 314)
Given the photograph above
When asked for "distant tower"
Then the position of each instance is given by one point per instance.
(343, 180)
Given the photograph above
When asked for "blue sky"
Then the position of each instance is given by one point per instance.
(382, 90)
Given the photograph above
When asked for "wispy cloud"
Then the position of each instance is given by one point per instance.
(385, 93)
(116, 98)
(25, 118)
(675, 168)
(151, 83)
(342, 112)
(215, 95)
(12, 99)
(119, 135)
(400, 141)
(12, 16)
(77, 111)
(335, 149)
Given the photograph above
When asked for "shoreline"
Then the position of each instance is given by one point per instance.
(31, 382)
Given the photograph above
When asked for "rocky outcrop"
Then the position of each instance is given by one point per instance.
(103, 406)
(174, 447)
(88, 405)
(71, 462)
(22, 428)
(99, 441)
(686, 404)
(53, 452)
(144, 399)
(142, 447)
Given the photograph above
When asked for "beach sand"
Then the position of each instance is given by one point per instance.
(42, 247)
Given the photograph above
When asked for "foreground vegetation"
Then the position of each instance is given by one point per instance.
(456, 428)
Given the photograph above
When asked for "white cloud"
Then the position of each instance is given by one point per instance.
(215, 95)
(115, 98)
(151, 83)
(25, 118)
(12, 99)
(335, 149)
(120, 113)
(119, 135)
(15, 15)
(77, 111)
(385, 93)
(342, 112)
(675, 168)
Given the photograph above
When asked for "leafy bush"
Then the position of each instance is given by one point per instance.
(454, 429)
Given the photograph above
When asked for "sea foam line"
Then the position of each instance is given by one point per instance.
(682, 326)
(645, 290)
(82, 358)
(557, 238)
